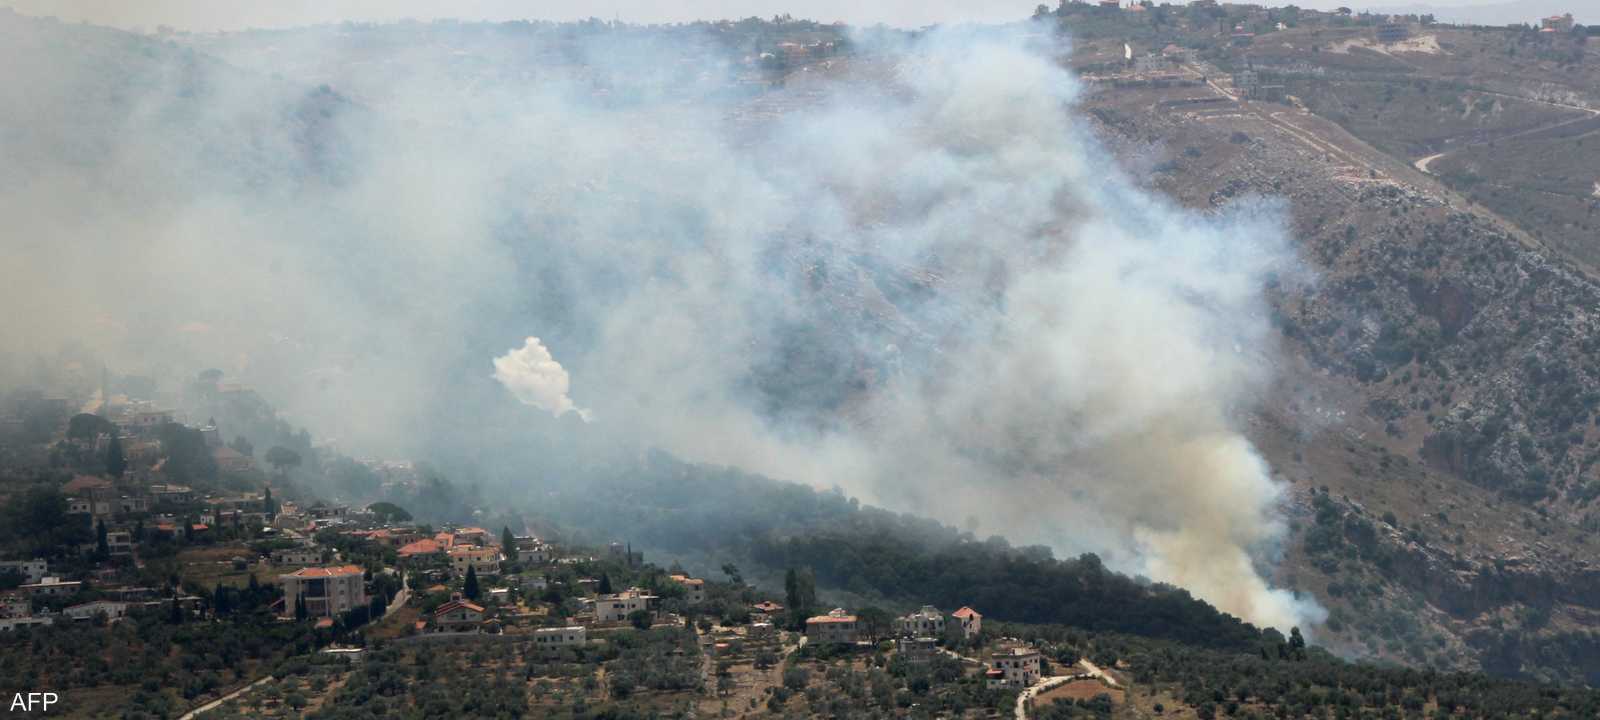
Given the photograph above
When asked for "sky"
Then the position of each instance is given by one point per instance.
(213, 15)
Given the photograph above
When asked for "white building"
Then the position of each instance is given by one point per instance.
(560, 636)
(51, 587)
(33, 570)
(1015, 667)
(485, 561)
(616, 608)
(87, 611)
(328, 591)
(927, 622)
(971, 622)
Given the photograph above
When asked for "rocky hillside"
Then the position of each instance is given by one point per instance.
(1437, 410)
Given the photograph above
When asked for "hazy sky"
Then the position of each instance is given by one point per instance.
(206, 15)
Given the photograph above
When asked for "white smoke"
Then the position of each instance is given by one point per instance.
(533, 376)
(924, 281)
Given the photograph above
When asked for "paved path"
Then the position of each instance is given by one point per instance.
(1039, 687)
(214, 704)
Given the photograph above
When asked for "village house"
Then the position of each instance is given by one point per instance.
(560, 636)
(616, 608)
(917, 649)
(1557, 23)
(767, 608)
(119, 543)
(473, 536)
(230, 460)
(1013, 667)
(484, 560)
(328, 591)
(458, 616)
(111, 610)
(31, 570)
(421, 553)
(52, 587)
(837, 626)
(927, 622)
(970, 621)
(328, 512)
(16, 622)
(170, 495)
(15, 605)
(297, 556)
(694, 588)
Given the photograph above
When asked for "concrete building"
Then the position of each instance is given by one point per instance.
(616, 608)
(969, 621)
(484, 560)
(328, 591)
(88, 611)
(1558, 23)
(560, 636)
(52, 587)
(837, 626)
(694, 589)
(31, 570)
(927, 622)
(1014, 667)
(917, 649)
(297, 556)
(119, 543)
(458, 616)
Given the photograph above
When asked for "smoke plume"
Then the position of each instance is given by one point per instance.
(911, 272)
(532, 375)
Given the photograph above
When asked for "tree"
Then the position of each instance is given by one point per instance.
(177, 610)
(85, 426)
(389, 512)
(732, 571)
(102, 549)
(874, 621)
(116, 464)
(640, 618)
(378, 606)
(219, 600)
(300, 611)
(509, 543)
(1297, 643)
(469, 587)
(605, 584)
(267, 505)
(282, 458)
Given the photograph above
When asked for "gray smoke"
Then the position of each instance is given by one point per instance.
(912, 273)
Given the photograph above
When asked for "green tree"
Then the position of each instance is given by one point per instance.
(509, 543)
(300, 611)
(85, 426)
(469, 587)
(102, 549)
(116, 463)
(732, 571)
(874, 621)
(605, 584)
(268, 505)
(640, 618)
(389, 512)
(282, 458)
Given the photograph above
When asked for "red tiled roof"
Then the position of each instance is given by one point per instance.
(327, 571)
(966, 612)
(325, 623)
(454, 604)
(767, 606)
(420, 547)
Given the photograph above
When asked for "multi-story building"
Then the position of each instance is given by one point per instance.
(484, 560)
(31, 570)
(1014, 667)
(927, 622)
(616, 608)
(970, 621)
(837, 626)
(327, 591)
(694, 589)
